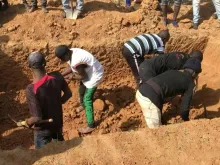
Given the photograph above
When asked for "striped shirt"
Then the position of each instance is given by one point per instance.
(145, 44)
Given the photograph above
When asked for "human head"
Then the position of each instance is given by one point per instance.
(196, 54)
(36, 61)
(164, 35)
(63, 53)
(193, 65)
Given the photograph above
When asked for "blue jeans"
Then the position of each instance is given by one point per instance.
(196, 8)
(217, 7)
(79, 4)
(41, 138)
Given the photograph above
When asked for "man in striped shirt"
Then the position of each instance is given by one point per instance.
(135, 49)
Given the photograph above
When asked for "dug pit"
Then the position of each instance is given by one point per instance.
(115, 106)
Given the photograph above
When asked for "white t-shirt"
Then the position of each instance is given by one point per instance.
(94, 69)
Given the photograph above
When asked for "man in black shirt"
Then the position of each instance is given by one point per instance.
(135, 49)
(45, 99)
(169, 61)
(151, 94)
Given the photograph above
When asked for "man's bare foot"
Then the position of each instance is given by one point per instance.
(85, 130)
(79, 109)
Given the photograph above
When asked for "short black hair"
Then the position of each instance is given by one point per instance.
(36, 60)
(194, 64)
(164, 34)
(61, 51)
(197, 54)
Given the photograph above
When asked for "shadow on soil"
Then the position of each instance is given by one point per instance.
(206, 11)
(11, 12)
(27, 157)
(12, 81)
(201, 100)
(207, 97)
(118, 98)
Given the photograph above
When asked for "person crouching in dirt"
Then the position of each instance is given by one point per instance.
(45, 99)
(86, 68)
(169, 61)
(164, 7)
(135, 49)
(152, 93)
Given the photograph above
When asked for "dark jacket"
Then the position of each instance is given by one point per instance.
(45, 101)
(159, 64)
(169, 84)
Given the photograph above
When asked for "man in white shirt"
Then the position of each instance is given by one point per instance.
(86, 68)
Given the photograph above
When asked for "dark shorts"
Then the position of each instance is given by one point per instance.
(44, 137)
(146, 70)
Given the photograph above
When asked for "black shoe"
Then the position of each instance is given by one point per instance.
(32, 9)
(214, 16)
(195, 26)
(44, 9)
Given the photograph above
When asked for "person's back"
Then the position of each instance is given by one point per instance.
(159, 64)
(169, 83)
(145, 44)
(134, 49)
(45, 97)
(173, 82)
(94, 68)
(151, 94)
(47, 92)
(87, 58)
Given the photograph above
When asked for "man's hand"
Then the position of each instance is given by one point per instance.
(196, 85)
(69, 77)
(22, 124)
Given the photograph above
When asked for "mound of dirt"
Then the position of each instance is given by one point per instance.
(194, 142)
(103, 31)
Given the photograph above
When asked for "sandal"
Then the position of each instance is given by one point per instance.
(175, 24)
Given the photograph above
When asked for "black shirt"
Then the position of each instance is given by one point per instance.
(44, 100)
(159, 64)
(171, 83)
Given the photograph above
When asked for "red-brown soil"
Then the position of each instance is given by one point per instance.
(102, 31)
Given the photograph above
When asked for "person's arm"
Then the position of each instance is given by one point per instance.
(196, 86)
(160, 50)
(34, 108)
(67, 71)
(186, 102)
(81, 72)
(66, 92)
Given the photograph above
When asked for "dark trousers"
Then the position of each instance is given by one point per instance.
(41, 138)
(82, 90)
(134, 61)
(34, 3)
